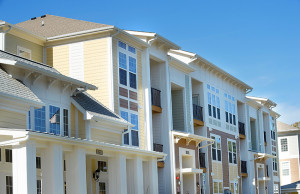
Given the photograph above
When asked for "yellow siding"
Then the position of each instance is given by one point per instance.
(96, 68)
(11, 43)
(115, 74)
(60, 58)
(141, 100)
(220, 171)
(81, 126)
(94, 168)
(49, 57)
(105, 136)
(215, 170)
(13, 120)
(73, 130)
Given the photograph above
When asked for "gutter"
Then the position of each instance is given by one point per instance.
(15, 141)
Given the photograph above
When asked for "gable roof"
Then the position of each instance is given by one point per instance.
(294, 185)
(11, 87)
(29, 65)
(284, 127)
(96, 108)
(51, 25)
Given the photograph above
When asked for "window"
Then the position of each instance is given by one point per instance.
(66, 122)
(0, 154)
(231, 146)
(230, 112)
(216, 148)
(8, 155)
(29, 120)
(234, 188)
(213, 102)
(39, 119)
(54, 115)
(218, 186)
(102, 189)
(38, 162)
(23, 52)
(102, 166)
(9, 185)
(133, 119)
(274, 163)
(38, 186)
(284, 145)
(285, 168)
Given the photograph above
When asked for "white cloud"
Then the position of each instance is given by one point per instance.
(289, 113)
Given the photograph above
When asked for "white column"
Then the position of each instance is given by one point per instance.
(89, 175)
(52, 170)
(117, 174)
(138, 175)
(24, 168)
(76, 171)
(153, 177)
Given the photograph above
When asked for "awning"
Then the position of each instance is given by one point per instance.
(191, 137)
(191, 171)
(263, 156)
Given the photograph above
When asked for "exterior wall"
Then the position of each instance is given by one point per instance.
(294, 171)
(9, 119)
(12, 41)
(58, 57)
(106, 136)
(81, 126)
(293, 151)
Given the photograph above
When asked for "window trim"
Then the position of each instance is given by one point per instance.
(20, 48)
(218, 181)
(130, 128)
(232, 141)
(216, 136)
(289, 168)
(285, 147)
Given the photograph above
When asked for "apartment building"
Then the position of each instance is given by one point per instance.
(288, 138)
(191, 128)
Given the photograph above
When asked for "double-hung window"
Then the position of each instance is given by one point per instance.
(218, 186)
(213, 102)
(231, 146)
(8, 155)
(285, 168)
(230, 110)
(54, 115)
(133, 118)
(284, 145)
(9, 185)
(40, 119)
(274, 162)
(216, 148)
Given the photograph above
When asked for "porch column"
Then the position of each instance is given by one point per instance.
(89, 175)
(52, 170)
(76, 171)
(117, 174)
(24, 168)
(138, 175)
(151, 170)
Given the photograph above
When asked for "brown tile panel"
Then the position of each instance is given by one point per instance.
(182, 144)
(132, 95)
(133, 106)
(123, 103)
(225, 164)
(123, 92)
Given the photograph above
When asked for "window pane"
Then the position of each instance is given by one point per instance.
(8, 155)
(218, 102)
(234, 120)
(122, 45)
(230, 118)
(216, 187)
(126, 138)
(214, 154)
(226, 115)
(219, 155)
(234, 159)
(218, 114)
(131, 49)
(230, 157)
(132, 65)
(132, 78)
(39, 119)
(54, 119)
(234, 147)
(220, 187)
(134, 121)
(214, 112)
(209, 110)
(122, 60)
(229, 146)
(66, 122)
(29, 120)
(209, 98)
(135, 138)
(123, 77)
(124, 115)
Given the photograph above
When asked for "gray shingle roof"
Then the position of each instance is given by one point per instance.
(56, 25)
(12, 87)
(93, 106)
(293, 185)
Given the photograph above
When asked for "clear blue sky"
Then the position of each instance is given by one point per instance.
(258, 41)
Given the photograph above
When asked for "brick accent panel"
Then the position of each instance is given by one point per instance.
(123, 103)
(132, 95)
(123, 92)
(225, 164)
(133, 106)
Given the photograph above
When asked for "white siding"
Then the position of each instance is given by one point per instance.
(76, 61)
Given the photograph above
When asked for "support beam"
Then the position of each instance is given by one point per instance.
(24, 168)
(117, 174)
(52, 170)
(76, 171)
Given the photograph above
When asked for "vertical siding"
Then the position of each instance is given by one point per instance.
(96, 68)
(115, 75)
(105, 136)
(60, 58)
(13, 120)
(141, 101)
(11, 43)
(76, 60)
(81, 126)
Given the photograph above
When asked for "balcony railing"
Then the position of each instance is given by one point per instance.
(244, 166)
(158, 147)
(197, 112)
(265, 137)
(242, 128)
(267, 170)
(202, 160)
(155, 97)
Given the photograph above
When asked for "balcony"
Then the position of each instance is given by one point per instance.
(244, 172)
(198, 115)
(242, 133)
(265, 138)
(156, 101)
(158, 147)
(202, 162)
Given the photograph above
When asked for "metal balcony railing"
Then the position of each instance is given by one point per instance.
(202, 160)
(242, 128)
(155, 97)
(267, 170)
(197, 112)
(265, 136)
(158, 147)
(244, 166)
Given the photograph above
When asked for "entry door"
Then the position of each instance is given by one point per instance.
(101, 187)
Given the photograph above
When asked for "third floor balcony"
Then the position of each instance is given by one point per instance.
(198, 115)
(156, 100)
(242, 130)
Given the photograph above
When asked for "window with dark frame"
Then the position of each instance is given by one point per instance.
(66, 122)
(38, 186)
(216, 148)
(8, 155)
(38, 162)
(9, 185)
(102, 166)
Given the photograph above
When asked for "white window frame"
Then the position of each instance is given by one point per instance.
(232, 141)
(216, 136)
(129, 128)
(218, 181)
(232, 109)
(216, 93)
(20, 48)
(283, 168)
(284, 148)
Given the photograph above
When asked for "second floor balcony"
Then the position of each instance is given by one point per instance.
(244, 168)
(198, 115)
(158, 147)
(202, 162)
(242, 132)
(156, 100)
(265, 138)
